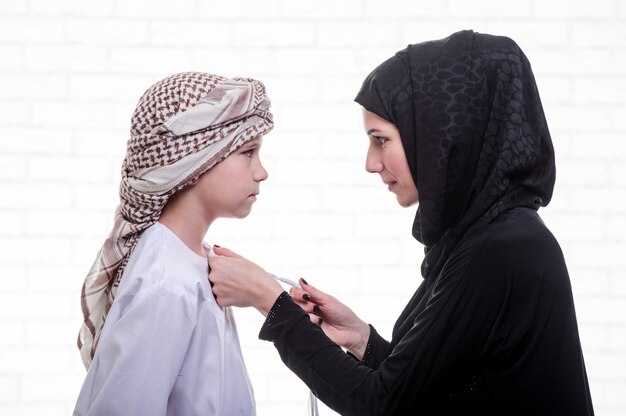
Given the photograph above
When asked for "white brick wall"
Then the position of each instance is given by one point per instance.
(72, 70)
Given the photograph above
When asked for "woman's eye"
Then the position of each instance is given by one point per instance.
(381, 140)
(248, 153)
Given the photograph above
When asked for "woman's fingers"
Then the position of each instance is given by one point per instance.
(300, 295)
(316, 319)
(299, 302)
(220, 285)
(308, 307)
(315, 294)
(308, 299)
(223, 251)
(307, 293)
(223, 301)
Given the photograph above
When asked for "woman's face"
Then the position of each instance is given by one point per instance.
(386, 157)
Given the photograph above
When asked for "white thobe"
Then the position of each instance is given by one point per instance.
(166, 348)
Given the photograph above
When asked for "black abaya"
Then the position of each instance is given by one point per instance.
(494, 334)
(492, 329)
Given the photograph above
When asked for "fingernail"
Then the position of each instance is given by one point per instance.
(306, 297)
(320, 322)
(304, 281)
(316, 309)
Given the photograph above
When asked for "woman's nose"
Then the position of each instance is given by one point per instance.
(373, 163)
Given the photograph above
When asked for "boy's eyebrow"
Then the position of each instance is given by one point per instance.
(251, 143)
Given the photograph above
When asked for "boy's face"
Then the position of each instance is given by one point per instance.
(229, 189)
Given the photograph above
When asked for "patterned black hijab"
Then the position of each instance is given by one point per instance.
(473, 130)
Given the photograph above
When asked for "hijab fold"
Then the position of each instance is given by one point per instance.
(473, 131)
(183, 125)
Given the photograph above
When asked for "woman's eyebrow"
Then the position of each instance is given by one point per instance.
(370, 131)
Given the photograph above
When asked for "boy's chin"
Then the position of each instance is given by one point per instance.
(240, 214)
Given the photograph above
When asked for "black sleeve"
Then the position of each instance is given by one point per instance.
(376, 351)
(442, 339)
(326, 369)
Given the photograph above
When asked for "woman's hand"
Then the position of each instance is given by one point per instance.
(338, 322)
(236, 281)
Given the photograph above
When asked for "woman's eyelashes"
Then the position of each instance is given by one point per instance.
(381, 140)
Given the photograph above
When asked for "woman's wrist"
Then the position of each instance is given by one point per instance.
(268, 291)
(362, 337)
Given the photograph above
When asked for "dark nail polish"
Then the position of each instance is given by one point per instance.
(304, 281)
(306, 297)
(316, 309)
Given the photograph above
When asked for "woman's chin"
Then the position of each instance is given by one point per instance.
(406, 202)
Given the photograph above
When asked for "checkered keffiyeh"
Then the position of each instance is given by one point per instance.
(183, 125)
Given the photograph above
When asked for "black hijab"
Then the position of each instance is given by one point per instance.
(473, 130)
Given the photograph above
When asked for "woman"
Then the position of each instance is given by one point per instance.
(458, 124)
(166, 347)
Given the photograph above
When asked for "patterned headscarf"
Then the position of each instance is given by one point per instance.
(183, 125)
(473, 131)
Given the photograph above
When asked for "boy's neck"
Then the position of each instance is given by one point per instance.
(190, 228)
